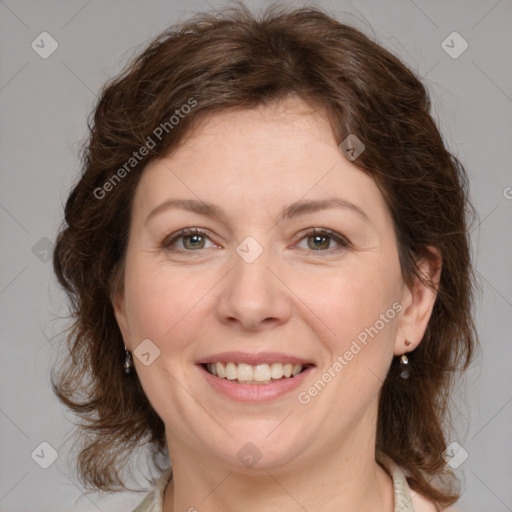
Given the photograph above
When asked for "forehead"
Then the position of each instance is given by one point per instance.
(258, 158)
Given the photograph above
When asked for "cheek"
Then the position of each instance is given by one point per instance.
(161, 304)
(357, 304)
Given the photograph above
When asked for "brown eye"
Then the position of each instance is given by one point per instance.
(193, 241)
(188, 240)
(317, 242)
(322, 240)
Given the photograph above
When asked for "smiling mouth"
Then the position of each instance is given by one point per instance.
(242, 373)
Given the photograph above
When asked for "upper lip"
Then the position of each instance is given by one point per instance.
(254, 359)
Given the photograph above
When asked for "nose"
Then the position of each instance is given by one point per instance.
(253, 296)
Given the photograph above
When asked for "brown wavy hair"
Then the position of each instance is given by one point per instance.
(231, 60)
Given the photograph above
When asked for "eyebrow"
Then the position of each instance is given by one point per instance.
(292, 211)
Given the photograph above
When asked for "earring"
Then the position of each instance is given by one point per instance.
(127, 362)
(404, 363)
(407, 342)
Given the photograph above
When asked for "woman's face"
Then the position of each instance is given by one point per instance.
(259, 288)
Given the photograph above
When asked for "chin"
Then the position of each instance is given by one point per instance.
(256, 449)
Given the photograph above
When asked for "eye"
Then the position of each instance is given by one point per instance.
(191, 239)
(320, 239)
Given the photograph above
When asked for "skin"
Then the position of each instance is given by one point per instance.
(293, 299)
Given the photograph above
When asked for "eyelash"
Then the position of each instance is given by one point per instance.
(342, 241)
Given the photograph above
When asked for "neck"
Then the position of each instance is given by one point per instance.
(341, 477)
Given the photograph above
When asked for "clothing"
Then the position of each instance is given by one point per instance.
(153, 502)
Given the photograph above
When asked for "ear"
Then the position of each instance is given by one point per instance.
(117, 298)
(418, 303)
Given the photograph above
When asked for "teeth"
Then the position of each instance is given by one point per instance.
(276, 371)
(231, 371)
(245, 372)
(261, 373)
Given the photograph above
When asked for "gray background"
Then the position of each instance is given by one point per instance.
(44, 103)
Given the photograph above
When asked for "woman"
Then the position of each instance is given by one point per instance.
(267, 256)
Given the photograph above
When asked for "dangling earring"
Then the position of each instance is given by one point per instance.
(127, 362)
(404, 363)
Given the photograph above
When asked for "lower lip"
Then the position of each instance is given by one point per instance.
(255, 392)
